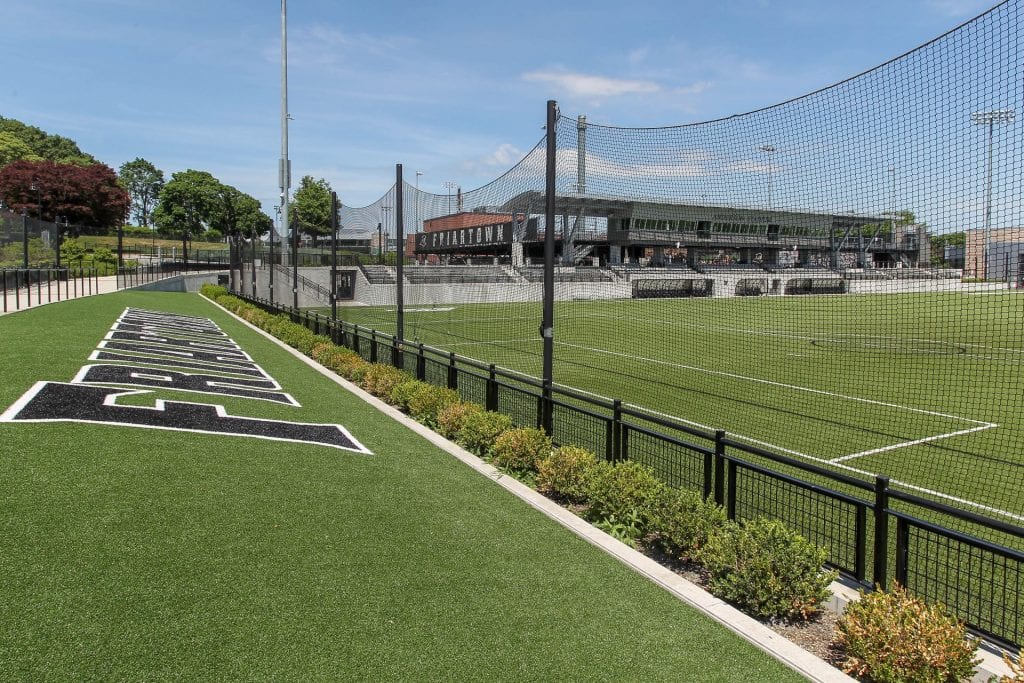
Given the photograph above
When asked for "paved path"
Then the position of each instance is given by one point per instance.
(45, 293)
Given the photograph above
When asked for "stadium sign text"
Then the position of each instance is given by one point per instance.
(157, 350)
(498, 234)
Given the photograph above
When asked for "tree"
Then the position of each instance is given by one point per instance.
(143, 181)
(13, 148)
(55, 148)
(240, 214)
(312, 204)
(197, 202)
(89, 196)
(187, 203)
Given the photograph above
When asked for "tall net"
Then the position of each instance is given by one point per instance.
(836, 278)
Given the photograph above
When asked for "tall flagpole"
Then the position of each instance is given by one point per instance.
(284, 170)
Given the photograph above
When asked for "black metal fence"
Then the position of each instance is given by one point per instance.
(28, 287)
(873, 533)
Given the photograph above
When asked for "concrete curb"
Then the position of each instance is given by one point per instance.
(784, 650)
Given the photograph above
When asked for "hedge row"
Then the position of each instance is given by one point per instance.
(759, 565)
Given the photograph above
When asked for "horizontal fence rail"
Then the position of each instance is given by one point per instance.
(873, 532)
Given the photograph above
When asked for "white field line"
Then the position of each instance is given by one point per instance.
(493, 342)
(794, 387)
(807, 337)
(905, 444)
(834, 463)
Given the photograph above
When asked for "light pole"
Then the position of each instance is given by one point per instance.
(450, 185)
(273, 234)
(769, 150)
(990, 118)
(418, 174)
(385, 211)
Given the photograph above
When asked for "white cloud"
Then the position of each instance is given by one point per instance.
(506, 155)
(587, 85)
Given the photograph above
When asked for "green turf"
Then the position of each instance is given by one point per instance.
(148, 555)
(822, 377)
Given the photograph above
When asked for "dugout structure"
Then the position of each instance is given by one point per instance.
(672, 288)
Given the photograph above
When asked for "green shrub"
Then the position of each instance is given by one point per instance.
(401, 393)
(481, 429)
(891, 636)
(451, 419)
(521, 449)
(682, 522)
(620, 489)
(766, 568)
(628, 530)
(213, 291)
(427, 403)
(356, 370)
(379, 379)
(565, 471)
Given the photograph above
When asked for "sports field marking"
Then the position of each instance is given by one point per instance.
(809, 337)
(823, 461)
(794, 387)
(490, 342)
(915, 442)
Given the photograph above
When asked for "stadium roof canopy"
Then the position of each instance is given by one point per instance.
(533, 202)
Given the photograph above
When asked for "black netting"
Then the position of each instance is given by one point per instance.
(835, 279)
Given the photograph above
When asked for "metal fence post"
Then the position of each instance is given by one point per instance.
(720, 467)
(453, 372)
(492, 388)
(616, 450)
(881, 565)
(421, 363)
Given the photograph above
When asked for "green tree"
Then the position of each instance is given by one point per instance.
(55, 148)
(13, 148)
(940, 242)
(72, 251)
(239, 213)
(187, 202)
(143, 181)
(312, 205)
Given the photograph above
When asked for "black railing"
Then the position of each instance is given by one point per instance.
(872, 531)
(28, 287)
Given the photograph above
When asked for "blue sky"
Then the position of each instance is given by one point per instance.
(453, 89)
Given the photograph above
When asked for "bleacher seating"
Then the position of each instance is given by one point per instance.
(536, 274)
(439, 275)
(378, 274)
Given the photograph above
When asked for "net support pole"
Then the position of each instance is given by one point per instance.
(334, 257)
(547, 330)
(399, 253)
(24, 238)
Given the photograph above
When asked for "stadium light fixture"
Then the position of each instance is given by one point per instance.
(450, 185)
(769, 150)
(990, 118)
(418, 174)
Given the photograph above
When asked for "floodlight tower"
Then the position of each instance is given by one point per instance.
(769, 150)
(449, 185)
(990, 118)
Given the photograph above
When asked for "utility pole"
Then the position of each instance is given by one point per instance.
(285, 167)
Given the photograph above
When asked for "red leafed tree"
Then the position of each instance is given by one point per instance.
(89, 196)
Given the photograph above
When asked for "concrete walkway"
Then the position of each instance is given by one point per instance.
(52, 292)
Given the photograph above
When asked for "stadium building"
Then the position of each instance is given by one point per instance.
(1005, 254)
(613, 232)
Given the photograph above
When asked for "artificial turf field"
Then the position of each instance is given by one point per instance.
(925, 388)
(144, 554)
